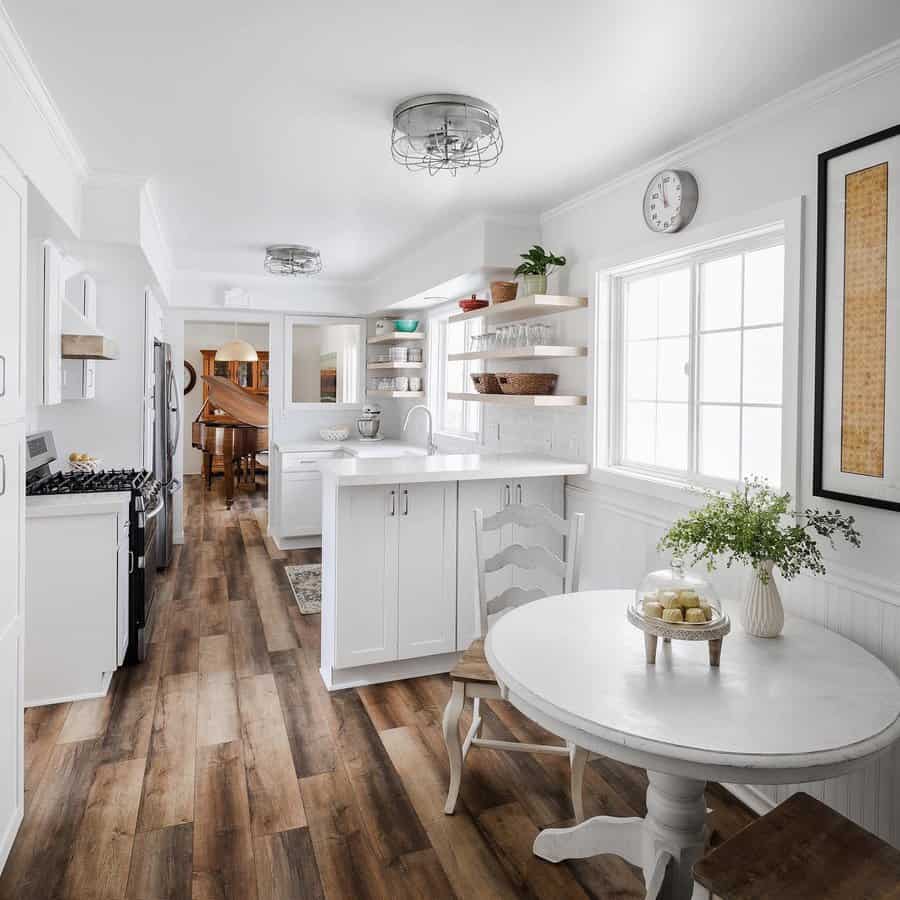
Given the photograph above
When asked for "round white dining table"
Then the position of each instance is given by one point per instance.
(807, 705)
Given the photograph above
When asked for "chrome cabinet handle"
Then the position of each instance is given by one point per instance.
(130, 561)
(393, 503)
(519, 494)
(508, 495)
(3, 470)
(3, 390)
(405, 503)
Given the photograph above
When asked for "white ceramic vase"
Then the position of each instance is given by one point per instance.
(762, 614)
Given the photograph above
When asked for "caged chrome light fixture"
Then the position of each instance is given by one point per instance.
(446, 132)
(292, 259)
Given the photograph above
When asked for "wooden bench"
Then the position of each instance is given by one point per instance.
(801, 850)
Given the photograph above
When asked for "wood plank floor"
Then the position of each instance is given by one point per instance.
(221, 768)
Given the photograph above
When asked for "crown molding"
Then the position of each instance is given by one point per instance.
(16, 54)
(873, 64)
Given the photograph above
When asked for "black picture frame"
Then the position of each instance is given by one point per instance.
(821, 258)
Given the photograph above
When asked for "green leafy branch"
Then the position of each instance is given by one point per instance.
(751, 526)
(539, 262)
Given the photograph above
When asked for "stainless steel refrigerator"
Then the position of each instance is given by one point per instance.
(166, 438)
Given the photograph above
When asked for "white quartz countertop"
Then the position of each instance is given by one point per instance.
(445, 467)
(355, 448)
(100, 503)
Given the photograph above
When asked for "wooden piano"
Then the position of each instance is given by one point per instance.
(236, 431)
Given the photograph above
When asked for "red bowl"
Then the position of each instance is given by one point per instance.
(469, 305)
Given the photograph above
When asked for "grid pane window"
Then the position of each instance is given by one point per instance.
(455, 417)
(657, 354)
(701, 350)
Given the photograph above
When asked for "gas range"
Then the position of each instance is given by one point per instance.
(147, 501)
(145, 489)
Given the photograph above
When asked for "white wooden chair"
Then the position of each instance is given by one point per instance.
(472, 676)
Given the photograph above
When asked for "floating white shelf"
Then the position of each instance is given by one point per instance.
(397, 336)
(397, 395)
(522, 399)
(395, 365)
(542, 352)
(529, 307)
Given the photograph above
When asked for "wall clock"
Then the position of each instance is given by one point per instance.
(670, 201)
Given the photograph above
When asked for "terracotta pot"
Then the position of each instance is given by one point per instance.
(501, 291)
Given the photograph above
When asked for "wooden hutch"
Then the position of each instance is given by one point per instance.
(251, 376)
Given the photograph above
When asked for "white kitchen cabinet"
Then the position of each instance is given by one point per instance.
(490, 496)
(47, 325)
(13, 239)
(12, 290)
(426, 573)
(77, 595)
(297, 511)
(396, 595)
(365, 627)
(79, 376)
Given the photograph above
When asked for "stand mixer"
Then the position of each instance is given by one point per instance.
(369, 424)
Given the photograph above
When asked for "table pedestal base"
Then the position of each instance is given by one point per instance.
(665, 844)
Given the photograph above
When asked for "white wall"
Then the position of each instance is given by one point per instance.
(767, 158)
(208, 336)
(110, 425)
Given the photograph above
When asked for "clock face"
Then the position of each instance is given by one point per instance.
(670, 201)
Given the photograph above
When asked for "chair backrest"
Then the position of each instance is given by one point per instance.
(567, 567)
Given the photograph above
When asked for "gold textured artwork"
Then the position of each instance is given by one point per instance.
(865, 319)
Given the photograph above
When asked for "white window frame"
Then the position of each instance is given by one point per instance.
(781, 223)
(437, 373)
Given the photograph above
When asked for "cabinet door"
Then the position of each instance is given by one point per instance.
(427, 569)
(12, 699)
(12, 287)
(301, 503)
(490, 497)
(365, 607)
(51, 291)
(547, 492)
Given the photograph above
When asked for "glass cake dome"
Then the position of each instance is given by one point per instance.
(678, 596)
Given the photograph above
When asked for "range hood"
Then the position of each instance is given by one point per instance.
(82, 340)
(89, 346)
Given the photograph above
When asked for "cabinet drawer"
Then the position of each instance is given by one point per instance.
(300, 462)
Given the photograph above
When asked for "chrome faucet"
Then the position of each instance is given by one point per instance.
(432, 447)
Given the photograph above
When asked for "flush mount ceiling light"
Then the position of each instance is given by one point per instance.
(446, 132)
(292, 259)
(236, 350)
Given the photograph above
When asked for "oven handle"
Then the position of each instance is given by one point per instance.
(156, 510)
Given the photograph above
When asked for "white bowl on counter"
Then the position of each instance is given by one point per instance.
(340, 433)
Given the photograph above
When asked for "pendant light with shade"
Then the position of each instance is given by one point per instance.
(236, 350)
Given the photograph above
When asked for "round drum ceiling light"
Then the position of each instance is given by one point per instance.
(446, 132)
(292, 259)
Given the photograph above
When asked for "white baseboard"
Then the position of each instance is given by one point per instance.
(73, 698)
(751, 796)
(297, 543)
(340, 679)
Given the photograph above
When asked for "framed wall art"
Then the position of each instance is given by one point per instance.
(856, 452)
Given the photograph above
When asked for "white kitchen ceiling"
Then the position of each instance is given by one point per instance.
(270, 122)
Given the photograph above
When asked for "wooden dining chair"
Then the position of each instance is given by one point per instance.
(472, 676)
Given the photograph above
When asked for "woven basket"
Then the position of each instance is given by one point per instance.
(485, 383)
(527, 382)
(501, 291)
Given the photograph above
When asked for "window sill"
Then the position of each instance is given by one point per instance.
(669, 490)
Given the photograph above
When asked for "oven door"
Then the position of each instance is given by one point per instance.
(144, 594)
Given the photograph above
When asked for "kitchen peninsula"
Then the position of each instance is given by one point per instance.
(399, 589)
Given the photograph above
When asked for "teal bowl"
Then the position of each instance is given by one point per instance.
(406, 325)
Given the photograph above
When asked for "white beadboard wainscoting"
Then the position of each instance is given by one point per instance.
(622, 529)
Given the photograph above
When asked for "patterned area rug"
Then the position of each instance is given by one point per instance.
(306, 583)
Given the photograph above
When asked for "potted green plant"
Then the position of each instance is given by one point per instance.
(537, 266)
(754, 525)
